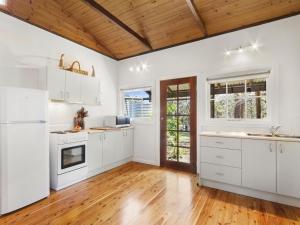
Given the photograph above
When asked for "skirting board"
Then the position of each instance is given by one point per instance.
(145, 161)
(252, 193)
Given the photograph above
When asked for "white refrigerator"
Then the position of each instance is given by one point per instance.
(24, 147)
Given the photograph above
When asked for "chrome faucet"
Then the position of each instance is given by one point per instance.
(274, 130)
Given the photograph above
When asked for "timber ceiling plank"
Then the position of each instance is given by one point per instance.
(49, 16)
(224, 15)
(153, 23)
(97, 6)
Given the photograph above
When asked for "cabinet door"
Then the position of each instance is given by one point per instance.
(90, 91)
(73, 87)
(94, 151)
(128, 143)
(110, 144)
(259, 164)
(288, 167)
(56, 79)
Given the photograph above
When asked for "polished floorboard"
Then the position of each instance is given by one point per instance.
(140, 194)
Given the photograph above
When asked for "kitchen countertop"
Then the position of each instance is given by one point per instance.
(244, 135)
(103, 129)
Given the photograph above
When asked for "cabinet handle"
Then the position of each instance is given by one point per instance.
(219, 157)
(270, 147)
(281, 149)
(104, 137)
(220, 174)
(219, 142)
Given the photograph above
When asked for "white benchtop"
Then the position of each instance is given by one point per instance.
(246, 136)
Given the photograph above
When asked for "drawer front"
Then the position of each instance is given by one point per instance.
(220, 173)
(221, 142)
(220, 156)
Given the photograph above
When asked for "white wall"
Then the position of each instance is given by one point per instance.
(25, 49)
(280, 51)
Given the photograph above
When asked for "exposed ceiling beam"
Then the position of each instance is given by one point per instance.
(197, 16)
(99, 43)
(114, 19)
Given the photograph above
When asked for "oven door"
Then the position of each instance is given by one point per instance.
(71, 157)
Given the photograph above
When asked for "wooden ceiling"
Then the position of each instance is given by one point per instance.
(125, 28)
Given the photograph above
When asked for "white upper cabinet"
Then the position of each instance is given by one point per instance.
(259, 164)
(90, 90)
(288, 168)
(73, 87)
(56, 79)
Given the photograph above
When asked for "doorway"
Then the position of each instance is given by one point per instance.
(178, 123)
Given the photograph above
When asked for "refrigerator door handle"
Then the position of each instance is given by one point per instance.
(26, 122)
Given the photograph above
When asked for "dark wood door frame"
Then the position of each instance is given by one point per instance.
(192, 167)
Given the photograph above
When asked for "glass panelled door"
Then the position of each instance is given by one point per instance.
(178, 123)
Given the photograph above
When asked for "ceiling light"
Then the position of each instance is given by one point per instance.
(241, 50)
(254, 46)
(131, 69)
(228, 52)
(138, 69)
(144, 66)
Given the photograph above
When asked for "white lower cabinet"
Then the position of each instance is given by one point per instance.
(127, 143)
(110, 148)
(221, 173)
(94, 152)
(107, 149)
(288, 168)
(259, 164)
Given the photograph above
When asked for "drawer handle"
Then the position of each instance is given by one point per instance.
(219, 157)
(219, 142)
(220, 174)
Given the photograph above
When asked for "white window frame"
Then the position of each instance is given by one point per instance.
(137, 119)
(237, 77)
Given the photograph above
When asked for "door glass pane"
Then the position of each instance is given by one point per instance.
(184, 107)
(184, 155)
(172, 92)
(172, 138)
(184, 123)
(171, 153)
(172, 123)
(184, 139)
(184, 91)
(172, 107)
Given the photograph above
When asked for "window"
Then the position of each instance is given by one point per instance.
(239, 98)
(2, 2)
(137, 103)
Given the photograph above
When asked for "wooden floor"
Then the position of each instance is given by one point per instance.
(140, 194)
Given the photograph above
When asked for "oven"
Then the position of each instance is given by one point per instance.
(72, 156)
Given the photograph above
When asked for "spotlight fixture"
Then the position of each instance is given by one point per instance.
(139, 68)
(243, 48)
(227, 52)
